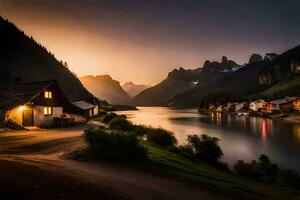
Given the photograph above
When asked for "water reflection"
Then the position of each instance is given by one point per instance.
(241, 137)
(297, 133)
(264, 130)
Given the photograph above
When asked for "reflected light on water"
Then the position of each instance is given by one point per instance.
(264, 130)
(297, 133)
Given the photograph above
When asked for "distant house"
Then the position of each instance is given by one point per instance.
(219, 108)
(33, 103)
(211, 107)
(295, 66)
(281, 105)
(255, 106)
(86, 109)
(240, 106)
(231, 106)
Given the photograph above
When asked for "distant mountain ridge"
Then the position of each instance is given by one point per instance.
(177, 81)
(106, 88)
(181, 80)
(224, 81)
(23, 59)
(133, 89)
(245, 82)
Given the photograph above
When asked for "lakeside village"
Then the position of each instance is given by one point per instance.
(279, 108)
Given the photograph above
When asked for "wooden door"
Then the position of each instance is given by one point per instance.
(27, 118)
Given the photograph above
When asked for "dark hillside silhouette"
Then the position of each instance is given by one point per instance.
(23, 59)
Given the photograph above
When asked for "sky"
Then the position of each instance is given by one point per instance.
(142, 40)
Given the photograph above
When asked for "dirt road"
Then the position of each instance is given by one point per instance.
(33, 166)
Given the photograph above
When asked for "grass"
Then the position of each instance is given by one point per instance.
(290, 86)
(206, 177)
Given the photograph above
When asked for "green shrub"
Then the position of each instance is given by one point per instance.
(108, 117)
(187, 151)
(265, 171)
(121, 124)
(160, 137)
(204, 147)
(140, 130)
(114, 145)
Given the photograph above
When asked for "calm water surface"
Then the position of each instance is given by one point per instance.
(241, 138)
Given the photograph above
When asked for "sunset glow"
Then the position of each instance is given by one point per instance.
(109, 37)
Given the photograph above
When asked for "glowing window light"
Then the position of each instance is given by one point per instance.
(48, 110)
(48, 94)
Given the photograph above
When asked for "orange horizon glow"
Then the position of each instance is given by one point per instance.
(110, 45)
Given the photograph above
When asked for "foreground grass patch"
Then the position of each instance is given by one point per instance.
(206, 177)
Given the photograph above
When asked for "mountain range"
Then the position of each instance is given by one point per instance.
(106, 88)
(180, 80)
(270, 77)
(23, 59)
(133, 89)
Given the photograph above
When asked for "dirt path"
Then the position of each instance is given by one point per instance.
(32, 166)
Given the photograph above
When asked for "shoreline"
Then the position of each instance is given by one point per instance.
(290, 118)
(293, 118)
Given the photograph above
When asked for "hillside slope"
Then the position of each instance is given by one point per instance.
(287, 87)
(23, 59)
(105, 88)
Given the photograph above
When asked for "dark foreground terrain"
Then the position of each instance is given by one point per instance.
(33, 165)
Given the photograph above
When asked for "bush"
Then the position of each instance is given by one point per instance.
(247, 170)
(204, 147)
(115, 145)
(187, 151)
(141, 130)
(160, 137)
(265, 171)
(107, 118)
(120, 124)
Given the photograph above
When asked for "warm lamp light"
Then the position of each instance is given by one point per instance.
(21, 108)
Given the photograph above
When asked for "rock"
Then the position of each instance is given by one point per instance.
(255, 58)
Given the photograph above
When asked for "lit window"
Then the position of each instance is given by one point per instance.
(48, 94)
(48, 110)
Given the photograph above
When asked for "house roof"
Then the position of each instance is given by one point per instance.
(282, 101)
(83, 105)
(19, 93)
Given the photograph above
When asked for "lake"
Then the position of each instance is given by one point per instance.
(240, 137)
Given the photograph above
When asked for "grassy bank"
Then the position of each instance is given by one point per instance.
(165, 162)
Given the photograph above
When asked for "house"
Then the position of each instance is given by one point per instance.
(86, 109)
(219, 109)
(33, 103)
(297, 104)
(231, 106)
(295, 66)
(257, 105)
(281, 105)
(211, 107)
(240, 106)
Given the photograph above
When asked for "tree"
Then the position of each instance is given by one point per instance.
(205, 147)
